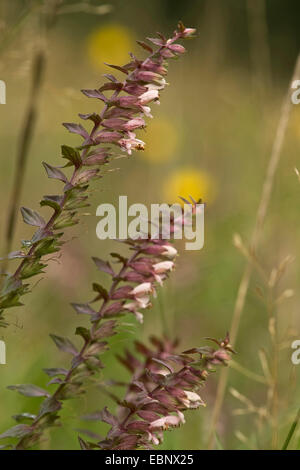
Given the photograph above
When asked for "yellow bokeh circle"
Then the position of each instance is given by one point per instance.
(110, 43)
(161, 140)
(190, 182)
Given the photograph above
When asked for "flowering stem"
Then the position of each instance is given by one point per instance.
(87, 342)
(118, 119)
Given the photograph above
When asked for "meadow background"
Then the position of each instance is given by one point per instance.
(211, 137)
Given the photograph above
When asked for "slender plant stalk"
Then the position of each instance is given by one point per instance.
(260, 218)
(247, 373)
(273, 330)
(28, 127)
(259, 47)
(25, 141)
(291, 431)
(10, 35)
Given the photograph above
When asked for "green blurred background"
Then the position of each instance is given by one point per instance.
(211, 137)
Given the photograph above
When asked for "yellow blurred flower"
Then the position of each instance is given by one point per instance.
(161, 140)
(110, 43)
(190, 182)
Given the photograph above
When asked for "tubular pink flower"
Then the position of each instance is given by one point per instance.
(145, 288)
(163, 267)
(133, 308)
(192, 400)
(165, 422)
(131, 143)
(150, 95)
(188, 32)
(169, 251)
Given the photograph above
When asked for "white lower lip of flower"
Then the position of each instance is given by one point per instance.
(144, 301)
(163, 372)
(148, 96)
(153, 438)
(135, 305)
(159, 279)
(165, 422)
(139, 316)
(170, 251)
(192, 400)
(163, 267)
(144, 288)
(131, 306)
(181, 417)
(152, 86)
(147, 111)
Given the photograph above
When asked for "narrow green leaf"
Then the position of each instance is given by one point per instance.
(83, 332)
(52, 201)
(291, 431)
(72, 155)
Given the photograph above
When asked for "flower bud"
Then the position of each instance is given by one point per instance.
(134, 124)
(107, 136)
(127, 101)
(147, 76)
(178, 48)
